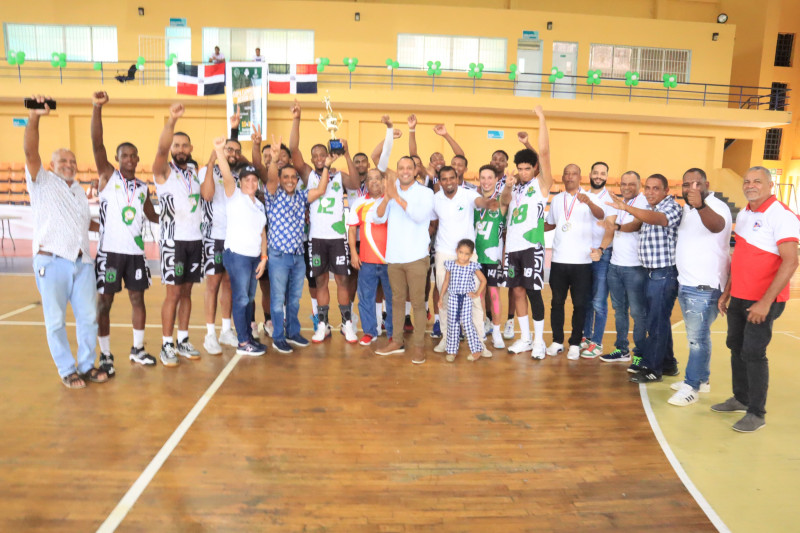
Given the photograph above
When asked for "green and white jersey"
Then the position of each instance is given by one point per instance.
(489, 236)
(326, 214)
(526, 217)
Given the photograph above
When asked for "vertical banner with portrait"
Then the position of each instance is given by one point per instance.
(247, 89)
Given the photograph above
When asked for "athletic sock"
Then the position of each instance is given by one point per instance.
(426, 305)
(210, 330)
(226, 324)
(408, 308)
(346, 314)
(314, 307)
(167, 340)
(538, 330)
(105, 344)
(436, 317)
(183, 336)
(322, 313)
(497, 336)
(524, 328)
(378, 311)
(138, 338)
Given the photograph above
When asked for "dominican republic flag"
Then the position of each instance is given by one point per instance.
(201, 80)
(292, 79)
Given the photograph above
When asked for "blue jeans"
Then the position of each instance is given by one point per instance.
(597, 309)
(661, 290)
(368, 278)
(699, 309)
(242, 272)
(60, 281)
(627, 288)
(287, 272)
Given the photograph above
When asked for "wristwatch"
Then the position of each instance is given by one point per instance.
(618, 226)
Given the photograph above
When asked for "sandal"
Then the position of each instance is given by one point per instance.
(96, 375)
(73, 381)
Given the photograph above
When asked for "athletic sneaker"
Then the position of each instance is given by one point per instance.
(366, 340)
(686, 395)
(554, 349)
(731, 405)
(749, 423)
(168, 355)
(322, 332)
(487, 326)
(436, 333)
(390, 349)
(497, 342)
(140, 356)
(408, 327)
(521, 345)
(636, 365)
(211, 345)
(267, 328)
(574, 353)
(107, 364)
(383, 322)
(450, 357)
(671, 370)
(228, 337)
(441, 347)
(282, 346)
(185, 349)
(253, 333)
(349, 332)
(704, 387)
(645, 375)
(508, 330)
(616, 356)
(297, 340)
(250, 348)
(538, 350)
(584, 343)
(592, 351)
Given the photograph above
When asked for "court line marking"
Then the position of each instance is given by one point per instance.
(676, 465)
(790, 335)
(20, 310)
(127, 502)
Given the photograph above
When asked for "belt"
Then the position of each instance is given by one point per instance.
(51, 254)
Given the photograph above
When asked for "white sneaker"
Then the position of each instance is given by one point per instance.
(508, 330)
(704, 387)
(487, 326)
(441, 347)
(554, 349)
(521, 345)
(323, 331)
(267, 328)
(574, 353)
(349, 332)
(211, 345)
(497, 343)
(538, 351)
(686, 395)
(253, 333)
(229, 338)
(584, 343)
(486, 353)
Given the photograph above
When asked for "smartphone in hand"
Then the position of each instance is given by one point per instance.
(31, 103)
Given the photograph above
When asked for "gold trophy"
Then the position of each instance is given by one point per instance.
(331, 123)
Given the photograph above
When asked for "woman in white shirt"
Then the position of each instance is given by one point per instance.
(245, 255)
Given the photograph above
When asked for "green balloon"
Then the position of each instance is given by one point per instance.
(351, 68)
(354, 60)
(320, 67)
(55, 55)
(54, 62)
(140, 60)
(168, 62)
(20, 58)
(438, 71)
(62, 56)
(389, 62)
(62, 63)
(98, 65)
(11, 57)
(479, 74)
(472, 66)
(480, 66)
(512, 76)
(326, 61)
(430, 63)
(512, 67)
(438, 64)
(346, 60)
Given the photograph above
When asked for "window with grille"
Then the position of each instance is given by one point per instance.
(772, 144)
(454, 52)
(277, 46)
(777, 96)
(651, 63)
(80, 43)
(783, 50)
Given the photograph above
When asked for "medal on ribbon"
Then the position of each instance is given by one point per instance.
(568, 212)
(129, 212)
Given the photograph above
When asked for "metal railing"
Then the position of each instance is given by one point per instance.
(375, 76)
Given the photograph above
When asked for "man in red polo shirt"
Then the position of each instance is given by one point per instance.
(763, 262)
(370, 261)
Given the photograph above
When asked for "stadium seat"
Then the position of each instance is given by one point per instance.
(15, 165)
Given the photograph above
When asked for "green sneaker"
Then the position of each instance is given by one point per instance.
(636, 365)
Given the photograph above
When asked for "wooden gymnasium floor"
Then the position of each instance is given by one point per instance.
(333, 438)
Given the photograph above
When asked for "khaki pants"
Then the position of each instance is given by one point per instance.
(477, 305)
(408, 283)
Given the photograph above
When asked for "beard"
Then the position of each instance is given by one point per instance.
(180, 159)
(596, 186)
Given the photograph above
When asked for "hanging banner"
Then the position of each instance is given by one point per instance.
(247, 89)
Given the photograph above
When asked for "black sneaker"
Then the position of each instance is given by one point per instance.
(107, 364)
(617, 356)
(408, 327)
(297, 340)
(671, 370)
(636, 365)
(252, 348)
(645, 375)
(281, 346)
(140, 356)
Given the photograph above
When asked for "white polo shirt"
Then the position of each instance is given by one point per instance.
(572, 240)
(599, 199)
(625, 252)
(456, 218)
(246, 220)
(703, 257)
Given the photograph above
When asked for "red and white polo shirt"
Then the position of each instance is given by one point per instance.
(756, 258)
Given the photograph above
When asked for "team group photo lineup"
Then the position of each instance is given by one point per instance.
(415, 252)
